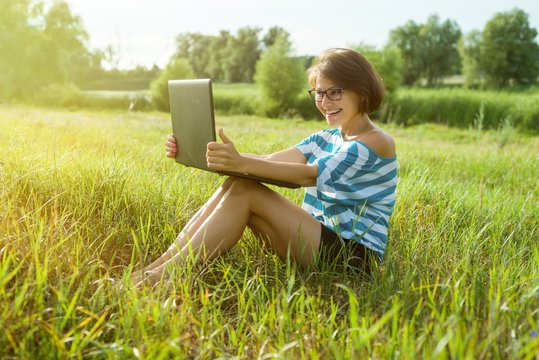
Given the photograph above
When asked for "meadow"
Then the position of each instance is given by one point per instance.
(86, 197)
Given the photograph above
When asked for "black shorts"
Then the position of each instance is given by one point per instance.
(345, 251)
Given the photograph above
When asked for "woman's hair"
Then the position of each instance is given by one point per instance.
(351, 71)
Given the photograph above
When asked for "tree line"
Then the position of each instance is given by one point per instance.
(44, 45)
(228, 57)
(505, 52)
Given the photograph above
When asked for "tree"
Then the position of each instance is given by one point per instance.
(407, 39)
(280, 78)
(439, 55)
(217, 52)
(223, 57)
(67, 41)
(195, 48)
(16, 38)
(509, 52)
(176, 69)
(272, 34)
(387, 62)
(469, 48)
(428, 50)
(38, 47)
(242, 55)
(111, 55)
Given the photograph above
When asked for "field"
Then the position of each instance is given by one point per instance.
(87, 197)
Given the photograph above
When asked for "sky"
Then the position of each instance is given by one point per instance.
(143, 32)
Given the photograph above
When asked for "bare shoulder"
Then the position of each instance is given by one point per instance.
(380, 141)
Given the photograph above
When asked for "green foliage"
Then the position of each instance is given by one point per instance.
(478, 121)
(273, 34)
(406, 38)
(305, 108)
(509, 52)
(440, 56)
(469, 48)
(224, 57)
(428, 50)
(62, 95)
(506, 131)
(242, 55)
(38, 47)
(246, 99)
(177, 69)
(459, 107)
(387, 62)
(280, 79)
(88, 197)
(68, 95)
(196, 49)
(217, 51)
(239, 98)
(138, 78)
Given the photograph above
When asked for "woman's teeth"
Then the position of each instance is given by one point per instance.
(332, 112)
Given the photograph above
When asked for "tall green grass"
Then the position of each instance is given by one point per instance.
(458, 107)
(87, 197)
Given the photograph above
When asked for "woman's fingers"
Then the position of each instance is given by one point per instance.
(223, 137)
(222, 156)
(171, 147)
(170, 140)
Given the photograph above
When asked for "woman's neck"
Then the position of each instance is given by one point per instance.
(358, 126)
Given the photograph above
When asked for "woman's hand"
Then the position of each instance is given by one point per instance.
(224, 157)
(170, 145)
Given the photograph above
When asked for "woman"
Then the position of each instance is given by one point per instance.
(349, 172)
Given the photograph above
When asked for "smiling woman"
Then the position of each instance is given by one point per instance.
(349, 173)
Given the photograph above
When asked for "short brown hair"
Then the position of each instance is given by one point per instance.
(350, 70)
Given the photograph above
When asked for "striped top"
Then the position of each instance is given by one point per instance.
(355, 188)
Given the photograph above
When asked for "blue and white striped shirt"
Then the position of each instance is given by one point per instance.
(355, 188)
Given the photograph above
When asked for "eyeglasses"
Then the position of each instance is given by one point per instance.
(333, 94)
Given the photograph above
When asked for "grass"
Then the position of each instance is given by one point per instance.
(86, 197)
(458, 107)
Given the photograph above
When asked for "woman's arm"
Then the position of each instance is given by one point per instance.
(297, 173)
(288, 165)
(291, 155)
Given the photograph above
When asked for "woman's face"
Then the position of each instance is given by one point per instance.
(337, 112)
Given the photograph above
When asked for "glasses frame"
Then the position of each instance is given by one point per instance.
(313, 93)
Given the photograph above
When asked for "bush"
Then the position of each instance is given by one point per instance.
(280, 79)
(387, 62)
(306, 109)
(64, 95)
(175, 70)
(246, 99)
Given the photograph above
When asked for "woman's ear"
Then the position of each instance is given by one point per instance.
(363, 104)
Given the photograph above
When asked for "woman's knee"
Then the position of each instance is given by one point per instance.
(227, 183)
(244, 187)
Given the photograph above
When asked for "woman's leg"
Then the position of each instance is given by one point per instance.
(288, 226)
(189, 229)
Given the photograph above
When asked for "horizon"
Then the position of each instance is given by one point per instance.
(145, 34)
